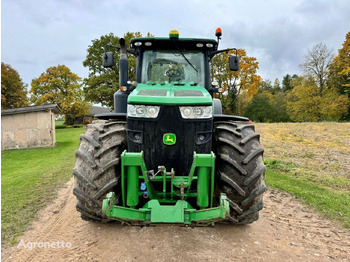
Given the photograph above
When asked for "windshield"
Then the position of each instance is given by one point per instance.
(170, 66)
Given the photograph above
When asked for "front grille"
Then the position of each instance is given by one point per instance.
(191, 135)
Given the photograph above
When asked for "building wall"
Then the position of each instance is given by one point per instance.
(27, 130)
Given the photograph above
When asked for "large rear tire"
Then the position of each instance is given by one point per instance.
(97, 170)
(239, 169)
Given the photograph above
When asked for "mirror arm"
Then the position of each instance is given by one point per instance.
(113, 46)
(133, 52)
(211, 54)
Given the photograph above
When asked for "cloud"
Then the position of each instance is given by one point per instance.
(40, 34)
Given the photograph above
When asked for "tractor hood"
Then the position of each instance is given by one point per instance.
(175, 93)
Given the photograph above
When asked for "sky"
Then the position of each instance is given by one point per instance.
(38, 34)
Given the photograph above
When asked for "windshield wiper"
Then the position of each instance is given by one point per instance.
(184, 56)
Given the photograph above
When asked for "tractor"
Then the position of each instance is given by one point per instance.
(167, 153)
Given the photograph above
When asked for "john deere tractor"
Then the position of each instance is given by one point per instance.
(167, 154)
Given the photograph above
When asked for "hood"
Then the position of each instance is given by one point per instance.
(175, 93)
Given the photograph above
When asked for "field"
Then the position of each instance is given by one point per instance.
(29, 178)
(311, 160)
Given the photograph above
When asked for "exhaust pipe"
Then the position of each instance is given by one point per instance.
(120, 98)
(123, 63)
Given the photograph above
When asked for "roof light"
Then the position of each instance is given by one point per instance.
(174, 34)
(199, 45)
(218, 32)
(137, 43)
(209, 45)
(148, 44)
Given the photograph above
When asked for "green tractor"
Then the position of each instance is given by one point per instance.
(167, 154)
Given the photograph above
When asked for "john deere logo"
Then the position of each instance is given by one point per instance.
(169, 139)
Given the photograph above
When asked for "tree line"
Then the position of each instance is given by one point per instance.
(322, 93)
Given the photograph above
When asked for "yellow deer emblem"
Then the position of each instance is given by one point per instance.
(169, 139)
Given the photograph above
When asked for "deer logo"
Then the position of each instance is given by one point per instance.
(169, 139)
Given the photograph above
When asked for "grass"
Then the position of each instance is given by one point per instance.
(322, 148)
(59, 123)
(29, 179)
(333, 204)
(311, 161)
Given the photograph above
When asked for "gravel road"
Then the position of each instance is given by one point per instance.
(286, 231)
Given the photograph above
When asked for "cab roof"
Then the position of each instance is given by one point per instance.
(165, 43)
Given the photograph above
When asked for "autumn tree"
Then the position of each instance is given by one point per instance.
(102, 83)
(277, 85)
(333, 107)
(13, 90)
(305, 103)
(244, 82)
(266, 86)
(339, 71)
(59, 85)
(316, 64)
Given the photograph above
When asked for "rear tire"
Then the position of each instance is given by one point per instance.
(239, 169)
(98, 166)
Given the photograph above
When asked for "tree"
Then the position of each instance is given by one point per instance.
(333, 107)
(268, 105)
(340, 68)
(339, 71)
(59, 85)
(102, 83)
(245, 81)
(266, 86)
(304, 103)
(259, 108)
(279, 106)
(287, 82)
(316, 64)
(277, 85)
(13, 90)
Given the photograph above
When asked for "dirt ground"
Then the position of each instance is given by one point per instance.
(286, 231)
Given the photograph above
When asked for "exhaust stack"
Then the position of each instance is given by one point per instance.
(123, 64)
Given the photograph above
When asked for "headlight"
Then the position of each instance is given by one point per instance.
(143, 111)
(196, 112)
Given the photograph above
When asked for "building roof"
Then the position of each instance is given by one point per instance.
(54, 107)
(98, 110)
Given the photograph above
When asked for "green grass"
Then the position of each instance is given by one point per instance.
(30, 178)
(335, 183)
(333, 204)
(60, 124)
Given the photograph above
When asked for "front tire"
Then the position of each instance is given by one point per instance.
(239, 169)
(98, 166)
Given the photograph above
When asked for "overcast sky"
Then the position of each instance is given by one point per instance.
(37, 34)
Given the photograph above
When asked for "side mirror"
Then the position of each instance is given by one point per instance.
(107, 60)
(234, 63)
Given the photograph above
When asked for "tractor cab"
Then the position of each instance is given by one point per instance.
(174, 59)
